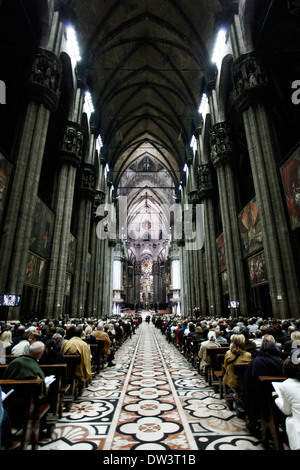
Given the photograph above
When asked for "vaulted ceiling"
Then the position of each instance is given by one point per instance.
(146, 60)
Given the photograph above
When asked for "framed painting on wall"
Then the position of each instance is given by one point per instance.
(250, 228)
(221, 253)
(35, 271)
(257, 270)
(290, 173)
(42, 230)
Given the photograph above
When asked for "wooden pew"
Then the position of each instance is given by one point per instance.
(97, 352)
(56, 392)
(194, 352)
(72, 360)
(214, 365)
(187, 348)
(271, 416)
(25, 410)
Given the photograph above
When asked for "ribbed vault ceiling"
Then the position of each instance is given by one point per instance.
(146, 60)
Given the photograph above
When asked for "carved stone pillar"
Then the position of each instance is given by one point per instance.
(86, 191)
(252, 92)
(109, 276)
(42, 93)
(176, 275)
(96, 255)
(206, 195)
(137, 282)
(117, 276)
(221, 155)
(155, 273)
(70, 151)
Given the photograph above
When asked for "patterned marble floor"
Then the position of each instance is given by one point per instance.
(153, 399)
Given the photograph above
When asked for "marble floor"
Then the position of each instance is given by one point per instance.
(152, 399)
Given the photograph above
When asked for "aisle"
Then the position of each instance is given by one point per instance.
(151, 400)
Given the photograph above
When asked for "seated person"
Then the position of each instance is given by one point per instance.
(269, 362)
(75, 345)
(236, 354)
(51, 355)
(295, 335)
(26, 367)
(210, 343)
(100, 334)
(5, 343)
(289, 402)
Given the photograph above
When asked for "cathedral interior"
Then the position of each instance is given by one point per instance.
(149, 157)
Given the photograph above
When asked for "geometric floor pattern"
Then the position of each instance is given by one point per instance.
(153, 399)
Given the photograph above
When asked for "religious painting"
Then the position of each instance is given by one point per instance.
(250, 229)
(42, 230)
(71, 254)
(257, 270)
(290, 172)
(221, 253)
(5, 173)
(35, 270)
(224, 279)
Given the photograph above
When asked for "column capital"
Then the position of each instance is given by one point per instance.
(44, 79)
(99, 198)
(221, 145)
(71, 145)
(87, 180)
(250, 80)
(193, 197)
(205, 184)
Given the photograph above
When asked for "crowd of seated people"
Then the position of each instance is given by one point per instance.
(54, 340)
(263, 345)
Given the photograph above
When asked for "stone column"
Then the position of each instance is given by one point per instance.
(70, 154)
(109, 277)
(221, 155)
(176, 275)
(43, 95)
(155, 273)
(117, 276)
(137, 280)
(86, 191)
(96, 255)
(206, 195)
(252, 92)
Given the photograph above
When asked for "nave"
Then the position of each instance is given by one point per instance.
(152, 399)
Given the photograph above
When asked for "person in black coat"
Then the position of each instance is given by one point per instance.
(268, 362)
